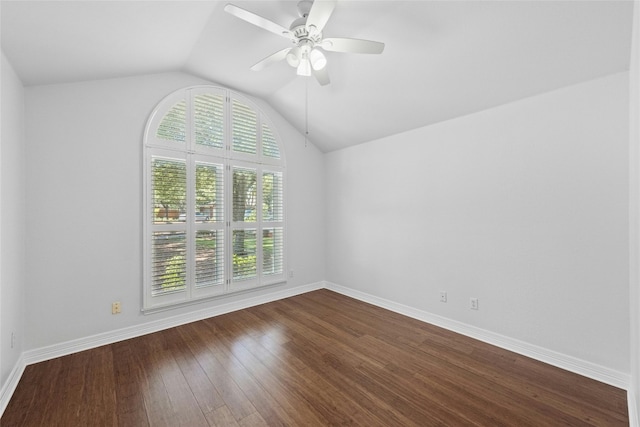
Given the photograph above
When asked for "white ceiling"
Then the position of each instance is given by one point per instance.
(442, 59)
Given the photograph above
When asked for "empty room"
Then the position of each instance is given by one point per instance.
(373, 213)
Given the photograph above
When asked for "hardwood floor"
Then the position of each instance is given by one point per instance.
(315, 359)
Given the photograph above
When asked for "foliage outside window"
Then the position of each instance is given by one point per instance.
(214, 191)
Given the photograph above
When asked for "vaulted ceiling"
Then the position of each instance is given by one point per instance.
(442, 59)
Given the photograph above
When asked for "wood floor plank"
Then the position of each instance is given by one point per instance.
(440, 373)
(258, 397)
(315, 359)
(218, 371)
(207, 398)
(28, 406)
(221, 417)
(186, 410)
(334, 407)
(340, 364)
(130, 405)
(253, 420)
(284, 389)
(99, 402)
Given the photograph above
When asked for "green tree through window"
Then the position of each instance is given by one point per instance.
(169, 187)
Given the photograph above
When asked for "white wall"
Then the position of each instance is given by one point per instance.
(634, 223)
(12, 220)
(84, 204)
(523, 206)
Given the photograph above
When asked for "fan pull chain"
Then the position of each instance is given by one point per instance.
(306, 111)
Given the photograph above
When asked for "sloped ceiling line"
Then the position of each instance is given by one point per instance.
(442, 59)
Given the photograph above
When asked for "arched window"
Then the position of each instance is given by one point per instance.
(214, 198)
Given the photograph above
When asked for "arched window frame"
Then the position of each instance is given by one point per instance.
(172, 245)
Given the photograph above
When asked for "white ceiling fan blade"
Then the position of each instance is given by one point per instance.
(321, 75)
(319, 14)
(278, 56)
(258, 20)
(333, 44)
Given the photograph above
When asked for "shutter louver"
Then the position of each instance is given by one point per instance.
(244, 195)
(169, 189)
(244, 128)
(209, 120)
(273, 208)
(174, 124)
(272, 250)
(209, 258)
(168, 248)
(169, 265)
(269, 143)
(244, 254)
(209, 192)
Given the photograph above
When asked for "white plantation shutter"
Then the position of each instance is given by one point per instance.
(244, 221)
(272, 197)
(214, 191)
(244, 194)
(273, 220)
(168, 241)
(273, 251)
(174, 126)
(245, 255)
(209, 223)
(169, 271)
(209, 197)
(244, 128)
(168, 188)
(209, 120)
(209, 258)
(269, 144)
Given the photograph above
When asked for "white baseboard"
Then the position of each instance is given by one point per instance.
(634, 421)
(10, 385)
(563, 361)
(86, 343)
(587, 369)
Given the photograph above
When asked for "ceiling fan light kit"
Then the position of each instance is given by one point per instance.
(293, 57)
(304, 68)
(305, 33)
(317, 59)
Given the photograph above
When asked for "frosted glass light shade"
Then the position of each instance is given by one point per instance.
(293, 57)
(304, 69)
(318, 60)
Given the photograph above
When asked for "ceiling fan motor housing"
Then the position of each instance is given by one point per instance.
(304, 7)
(306, 38)
(305, 33)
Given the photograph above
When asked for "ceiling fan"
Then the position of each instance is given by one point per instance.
(305, 33)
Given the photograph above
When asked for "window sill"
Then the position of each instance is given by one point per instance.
(173, 306)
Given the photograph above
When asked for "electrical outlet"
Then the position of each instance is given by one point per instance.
(443, 296)
(290, 274)
(13, 339)
(116, 308)
(474, 303)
